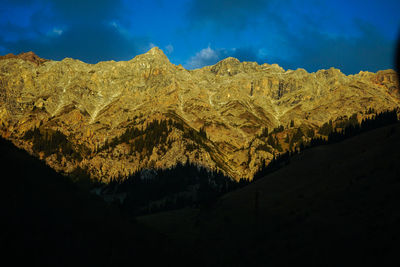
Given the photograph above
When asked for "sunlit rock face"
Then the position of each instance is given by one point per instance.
(90, 104)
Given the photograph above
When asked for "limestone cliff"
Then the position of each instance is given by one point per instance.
(90, 105)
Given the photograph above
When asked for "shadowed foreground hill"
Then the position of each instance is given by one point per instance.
(333, 205)
(50, 221)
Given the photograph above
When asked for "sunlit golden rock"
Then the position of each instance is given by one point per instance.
(93, 103)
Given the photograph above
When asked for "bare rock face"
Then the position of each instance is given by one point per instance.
(99, 116)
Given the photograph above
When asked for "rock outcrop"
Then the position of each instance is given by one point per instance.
(233, 102)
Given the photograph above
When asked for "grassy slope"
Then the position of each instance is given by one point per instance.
(332, 205)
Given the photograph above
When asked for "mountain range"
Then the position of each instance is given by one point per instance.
(116, 118)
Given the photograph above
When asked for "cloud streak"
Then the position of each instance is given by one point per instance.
(205, 57)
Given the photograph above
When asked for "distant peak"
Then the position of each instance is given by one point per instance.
(28, 56)
(30, 53)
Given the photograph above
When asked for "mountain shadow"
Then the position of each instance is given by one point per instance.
(48, 220)
(333, 205)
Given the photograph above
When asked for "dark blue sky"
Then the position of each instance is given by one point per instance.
(351, 35)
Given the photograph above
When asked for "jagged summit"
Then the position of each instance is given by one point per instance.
(156, 51)
(155, 56)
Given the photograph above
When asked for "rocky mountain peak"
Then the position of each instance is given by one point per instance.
(27, 56)
(227, 66)
(156, 52)
(230, 60)
(155, 57)
(331, 73)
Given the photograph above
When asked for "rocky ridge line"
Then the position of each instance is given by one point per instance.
(234, 102)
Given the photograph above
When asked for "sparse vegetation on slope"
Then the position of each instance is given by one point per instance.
(345, 128)
(53, 142)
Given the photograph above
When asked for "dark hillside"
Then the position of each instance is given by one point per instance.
(333, 205)
(50, 221)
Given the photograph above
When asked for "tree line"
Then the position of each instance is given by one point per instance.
(154, 134)
(346, 128)
(352, 127)
(50, 142)
(184, 185)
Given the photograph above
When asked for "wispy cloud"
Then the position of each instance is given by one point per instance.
(169, 49)
(209, 56)
(205, 57)
(55, 32)
(120, 28)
